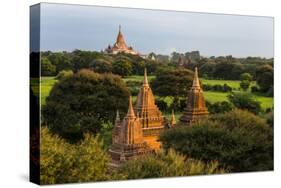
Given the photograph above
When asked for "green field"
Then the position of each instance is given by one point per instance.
(267, 102)
(235, 84)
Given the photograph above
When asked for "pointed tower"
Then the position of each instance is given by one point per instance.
(150, 116)
(120, 41)
(195, 107)
(129, 142)
(120, 45)
(173, 120)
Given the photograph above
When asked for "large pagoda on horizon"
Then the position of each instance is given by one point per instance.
(150, 116)
(127, 138)
(120, 46)
(195, 105)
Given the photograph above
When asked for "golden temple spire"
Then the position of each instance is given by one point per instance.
(196, 79)
(145, 80)
(131, 112)
(173, 119)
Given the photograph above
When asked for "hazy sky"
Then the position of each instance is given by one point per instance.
(69, 27)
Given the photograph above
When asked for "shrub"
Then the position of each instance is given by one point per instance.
(238, 140)
(162, 164)
(219, 107)
(254, 89)
(61, 162)
(244, 84)
(245, 101)
(64, 74)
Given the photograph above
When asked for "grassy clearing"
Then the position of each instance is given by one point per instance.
(137, 78)
(235, 84)
(267, 102)
(47, 84)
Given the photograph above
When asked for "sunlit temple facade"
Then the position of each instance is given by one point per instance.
(195, 105)
(138, 133)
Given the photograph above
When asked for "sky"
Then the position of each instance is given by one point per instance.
(70, 27)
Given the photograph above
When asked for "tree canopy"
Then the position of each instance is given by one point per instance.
(238, 140)
(83, 102)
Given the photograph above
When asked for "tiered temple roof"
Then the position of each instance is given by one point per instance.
(128, 141)
(196, 108)
(120, 45)
(150, 116)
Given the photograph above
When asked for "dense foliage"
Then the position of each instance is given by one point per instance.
(167, 164)
(264, 75)
(83, 103)
(175, 82)
(245, 101)
(238, 140)
(61, 162)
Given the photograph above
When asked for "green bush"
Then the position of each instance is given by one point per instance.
(219, 107)
(238, 140)
(245, 101)
(61, 162)
(83, 102)
(64, 74)
(244, 84)
(167, 164)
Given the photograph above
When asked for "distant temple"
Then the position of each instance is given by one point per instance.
(180, 61)
(127, 138)
(120, 46)
(150, 116)
(196, 108)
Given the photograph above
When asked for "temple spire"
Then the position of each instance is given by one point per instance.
(196, 79)
(145, 80)
(173, 119)
(131, 112)
(119, 28)
(117, 116)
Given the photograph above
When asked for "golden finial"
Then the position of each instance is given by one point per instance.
(145, 80)
(131, 112)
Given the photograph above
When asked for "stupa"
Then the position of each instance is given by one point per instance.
(195, 107)
(128, 141)
(150, 116)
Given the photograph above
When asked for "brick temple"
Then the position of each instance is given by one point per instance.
(127, 138)
(196, 108)
(150, 116)
(120, 46)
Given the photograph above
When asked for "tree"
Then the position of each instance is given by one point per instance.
(245, 101)
(83, 102)
(101, 66)
(47, 68)
(245, 84)
(61, 162)
(167, 164)
(264, 76)
(238, 140)
(246, 76)
(122, 67)
(175, 83)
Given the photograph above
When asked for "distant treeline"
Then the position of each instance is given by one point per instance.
(222, 67)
